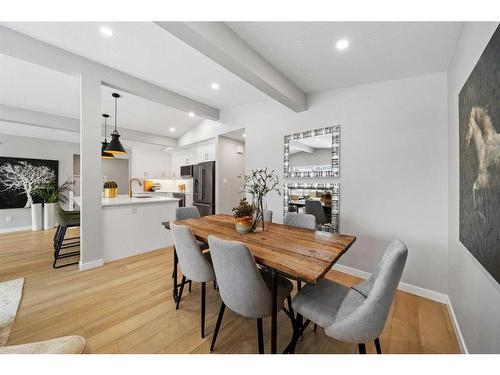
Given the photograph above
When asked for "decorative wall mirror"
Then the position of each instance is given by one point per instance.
(313, 153)
(319, 199)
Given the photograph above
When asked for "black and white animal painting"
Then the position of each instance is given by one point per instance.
(479, 126)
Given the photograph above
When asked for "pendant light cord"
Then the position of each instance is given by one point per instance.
(116, 104)
(105, 129)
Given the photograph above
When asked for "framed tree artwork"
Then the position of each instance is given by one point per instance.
(21, 177)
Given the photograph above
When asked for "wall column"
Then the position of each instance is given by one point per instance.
(90, 171)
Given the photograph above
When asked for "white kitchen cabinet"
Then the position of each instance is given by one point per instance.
(206, 152)
(146, 164)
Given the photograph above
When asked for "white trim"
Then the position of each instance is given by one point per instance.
(405, 287)
(89, 265)
(15, 229)
(456, 327)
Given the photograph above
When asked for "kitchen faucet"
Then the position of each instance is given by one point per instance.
(130, 185)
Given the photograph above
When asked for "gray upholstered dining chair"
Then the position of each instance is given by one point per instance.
(356, 314)
(243, 287)
(314, 207)
(195, 265)
(184, 213)
(297, 220)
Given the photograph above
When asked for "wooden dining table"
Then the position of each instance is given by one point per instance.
(296, 253)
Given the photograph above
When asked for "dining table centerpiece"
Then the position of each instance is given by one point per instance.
(259, 183)
(243, 213)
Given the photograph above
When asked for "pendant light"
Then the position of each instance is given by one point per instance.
(104, 154)
(115, 147)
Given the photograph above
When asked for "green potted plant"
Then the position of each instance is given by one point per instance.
(110, 189)
(49, 195)
(243, 213)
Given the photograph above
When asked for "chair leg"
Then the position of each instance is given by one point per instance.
(261, 336)
(299, 285)
(290, 309)
(215, 285)
(362, 348)
(203, 292)
(377, 346)
(315, 327)
(217, 325)
(296, 333)
(190, 283)
(180, 292)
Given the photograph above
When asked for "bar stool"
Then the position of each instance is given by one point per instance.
(65, 219)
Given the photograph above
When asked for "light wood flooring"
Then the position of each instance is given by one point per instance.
(126, 306)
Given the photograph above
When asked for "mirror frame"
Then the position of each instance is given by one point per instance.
(335, 190)
(333, 172)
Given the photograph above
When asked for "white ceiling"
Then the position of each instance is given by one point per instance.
(33, 87)
(305, 51)
(145, 50)
(317, 142)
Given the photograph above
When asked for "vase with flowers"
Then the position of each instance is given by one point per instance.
(243, 213)
(259, 183)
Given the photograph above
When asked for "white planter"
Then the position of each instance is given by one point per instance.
(36, 216)
(48, 215)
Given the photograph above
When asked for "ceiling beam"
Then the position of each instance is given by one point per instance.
(296, 146)
(26, 48)
(50, 121)
(221, 44)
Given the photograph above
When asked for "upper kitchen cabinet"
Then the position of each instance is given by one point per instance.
(148, 164)
(206, 152)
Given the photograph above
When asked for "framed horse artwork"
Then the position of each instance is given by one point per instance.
(479, 129)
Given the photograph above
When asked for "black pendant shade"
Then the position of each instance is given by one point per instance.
(104, 154)
(115, 147)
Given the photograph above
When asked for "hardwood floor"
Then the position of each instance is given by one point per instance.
(126, 306)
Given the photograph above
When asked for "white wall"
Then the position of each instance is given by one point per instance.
(393, 165)
(230, 171)
(474, 294)
(24, 147)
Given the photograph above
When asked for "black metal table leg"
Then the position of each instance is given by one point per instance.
(174, 291)
(274, 317)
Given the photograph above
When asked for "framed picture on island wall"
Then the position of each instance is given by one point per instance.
(479, 137)
(21, 177)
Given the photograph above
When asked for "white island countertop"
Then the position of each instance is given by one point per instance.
(125, 200)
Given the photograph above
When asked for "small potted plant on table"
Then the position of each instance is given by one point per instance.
(243, 214)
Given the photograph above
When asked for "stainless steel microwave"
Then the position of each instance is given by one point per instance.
(186, 171)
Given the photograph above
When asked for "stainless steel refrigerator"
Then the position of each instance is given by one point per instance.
(204, 188)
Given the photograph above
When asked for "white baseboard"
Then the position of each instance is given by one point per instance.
(14, 229)
(456, 328)
(90, 265)
(405, 287)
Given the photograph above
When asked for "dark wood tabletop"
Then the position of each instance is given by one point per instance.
(300, 253)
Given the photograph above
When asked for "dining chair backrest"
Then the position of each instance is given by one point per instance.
(268, 216)
(66, 218)
(300, 220)
(184, 213)
(314, 207)
(367, 321)
(241, 285)
(194, 265)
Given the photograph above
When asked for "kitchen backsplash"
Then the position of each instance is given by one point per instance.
(173, 185)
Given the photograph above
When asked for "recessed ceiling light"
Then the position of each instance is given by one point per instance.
(342, 44)
(191, 114)
(106, 31)
(215, 86)
(244, 135)
(172, 129)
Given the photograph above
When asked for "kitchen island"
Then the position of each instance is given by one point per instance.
(132, 225)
